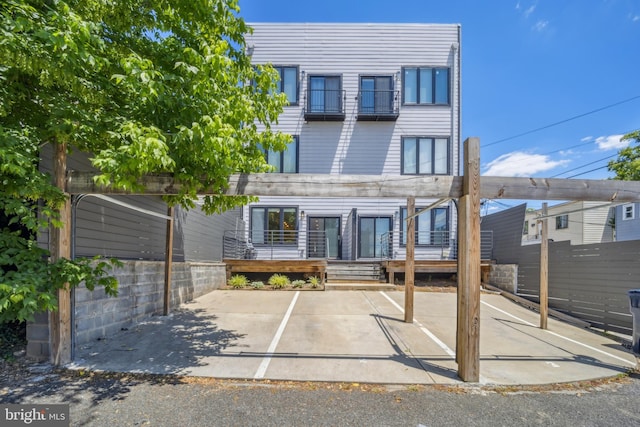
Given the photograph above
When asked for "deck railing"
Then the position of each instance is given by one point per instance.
(276, 244)
(436, 245)
(295, 244)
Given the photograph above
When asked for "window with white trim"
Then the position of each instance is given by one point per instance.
(628, 211)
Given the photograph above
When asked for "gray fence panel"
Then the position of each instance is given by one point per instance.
(507, 233)
(199, 237)
(587, 281)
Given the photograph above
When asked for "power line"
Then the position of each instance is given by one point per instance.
(562, 121)
(581, 166)
(584, 173)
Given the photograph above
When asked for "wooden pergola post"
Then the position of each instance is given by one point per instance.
(544, 269)
(60, 248)
(409, 276)
(468, 326)
(168, 262)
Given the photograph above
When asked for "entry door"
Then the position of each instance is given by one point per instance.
(370, 235)
(331, 226)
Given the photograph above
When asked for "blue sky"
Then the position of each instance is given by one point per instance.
(526, 65)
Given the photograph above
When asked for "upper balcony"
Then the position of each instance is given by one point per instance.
(325, 105)
(378, 105)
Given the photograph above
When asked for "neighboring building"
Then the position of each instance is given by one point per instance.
(365, 99)
(579, 222)
(627, 221)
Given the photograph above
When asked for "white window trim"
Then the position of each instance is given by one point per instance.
(624, 212)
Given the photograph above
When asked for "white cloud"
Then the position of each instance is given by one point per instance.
(586, 138)
(519, 163)
(541, 25)
(611, 142)
(529, 11)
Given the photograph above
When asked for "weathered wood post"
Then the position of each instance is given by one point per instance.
(409, 276)
(60, 247)
(544, 269)
(468, 327)
(168, 262)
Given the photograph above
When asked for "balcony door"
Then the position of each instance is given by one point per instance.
(324, 244)
(370, 236)
(376, 95)
(324, 94)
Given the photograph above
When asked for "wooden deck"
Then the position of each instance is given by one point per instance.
(316, 267)
(430, 266)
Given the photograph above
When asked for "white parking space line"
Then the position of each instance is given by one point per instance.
(427, 332)
(560, 336)
(262, 369)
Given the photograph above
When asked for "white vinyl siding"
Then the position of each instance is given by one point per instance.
(350, 146)
(351, 51)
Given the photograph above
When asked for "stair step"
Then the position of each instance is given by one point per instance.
(338, 279)
(358, 286)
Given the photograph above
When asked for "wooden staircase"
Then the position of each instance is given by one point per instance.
(352, 275)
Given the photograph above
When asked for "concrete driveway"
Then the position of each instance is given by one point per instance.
(352, 336)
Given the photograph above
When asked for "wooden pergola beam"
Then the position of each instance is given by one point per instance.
(306, 185)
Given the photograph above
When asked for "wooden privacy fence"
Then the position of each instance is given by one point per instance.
(589, 282)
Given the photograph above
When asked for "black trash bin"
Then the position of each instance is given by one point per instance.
(634, 302)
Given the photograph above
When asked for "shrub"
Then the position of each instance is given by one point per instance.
(278, 281)
(314, 281)
(257, 285)
(298, 283)
(238, 281)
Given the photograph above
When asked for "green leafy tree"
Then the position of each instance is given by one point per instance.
(627, 165)
(146, 87)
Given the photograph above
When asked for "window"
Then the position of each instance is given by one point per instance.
(325, 94)
(525, 230)
(562, 222)
(274, 225)
(628, 211)
(376, 95)
(432, 227)
(424, 85)
(284, 161)
(425, 156)
(288, 83)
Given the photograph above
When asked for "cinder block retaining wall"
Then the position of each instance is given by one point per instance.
(140, 295)
(504, 276)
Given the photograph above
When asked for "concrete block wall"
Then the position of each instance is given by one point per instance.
(38, 337)
(140, 296)
(504, 276)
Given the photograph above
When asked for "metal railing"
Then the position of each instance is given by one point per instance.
(325, 102)
(275, 244)
(443, 244)
(378, 103)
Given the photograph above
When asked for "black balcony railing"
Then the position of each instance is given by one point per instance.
(276, 244)
(378, 105)
(325, 104)
(442, 244)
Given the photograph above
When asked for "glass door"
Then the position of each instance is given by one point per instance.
(319, 244)
(370, 235)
